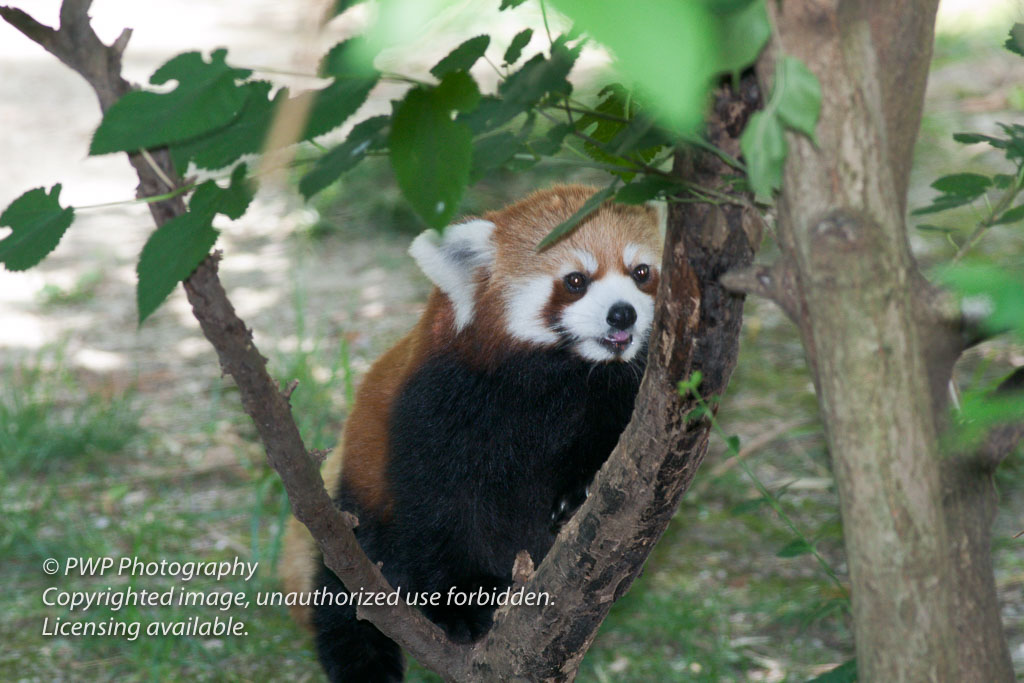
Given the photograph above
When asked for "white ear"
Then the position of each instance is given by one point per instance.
(451, 262)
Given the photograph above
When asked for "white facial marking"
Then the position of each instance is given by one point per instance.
(635, 254)
(586, 261)
(451, 262)
(523, 307)
(587, 319)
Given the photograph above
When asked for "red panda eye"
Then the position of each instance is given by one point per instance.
(642, 273)
(576, 283)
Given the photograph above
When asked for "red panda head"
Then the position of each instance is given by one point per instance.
(592, 291)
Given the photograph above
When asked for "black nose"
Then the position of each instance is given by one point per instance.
(621, 316)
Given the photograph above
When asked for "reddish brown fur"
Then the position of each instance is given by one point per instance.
(361, 458)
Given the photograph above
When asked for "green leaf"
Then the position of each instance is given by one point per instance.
(462, 57)
(1015, 43)
(365, 136)
(928, 227)
(797, 96)
(174, 250)
(430, 153)
(551, 143)
(340, 6)
(844, 673)
(993, 291)
(795, 548)
(205, 99)
(515, 48)
(37, 222)
(334, 104)
(733, 444)
(667, 47)
(690, 384)
(743, 33)
(538, 77)
(973, 138)
(510, 4)
(645, 189)
(764, 147)
(1012, 216)
(491, 152)
(963, 184)
(244, 135)
(589, 206)
(943, 203)
(347, 59)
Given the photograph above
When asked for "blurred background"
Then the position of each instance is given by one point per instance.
(118, 440)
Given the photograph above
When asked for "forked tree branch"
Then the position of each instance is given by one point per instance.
(602, 549)
(77, 46)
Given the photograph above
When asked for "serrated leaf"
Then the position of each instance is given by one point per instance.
(174, 250)
(798, 96)
(244, 135)
(430, 153)
(565, 227)
(170, 255)
(743, 32)
(764, 148)
(943, 203)
(491, 152)
(1015, 43)
(515, 48)
(365, 136)
(206, 98)
(37, 222)
(538, 77)
(963, 184)
(551, 143)
(1012, 216)
(645, 189)
(347, 59)
(462, 57)
(457, 91)
(795, 548)
(674, 60)
(334, 104)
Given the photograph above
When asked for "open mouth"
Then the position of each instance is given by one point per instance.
(617, 341)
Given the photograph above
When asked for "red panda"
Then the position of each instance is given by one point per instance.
(478, 433)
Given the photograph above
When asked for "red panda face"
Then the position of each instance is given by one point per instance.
(592, 291)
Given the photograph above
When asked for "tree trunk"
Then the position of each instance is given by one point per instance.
(915, 527)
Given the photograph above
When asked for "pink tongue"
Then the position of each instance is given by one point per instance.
(619, 336)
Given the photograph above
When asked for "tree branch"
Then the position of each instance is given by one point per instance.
(77, 46)
(776, 283)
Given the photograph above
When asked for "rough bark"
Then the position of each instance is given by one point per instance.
(916, 526)
(601, 551)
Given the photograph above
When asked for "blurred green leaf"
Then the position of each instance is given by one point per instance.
(1015, 43)
(748, 506)
(366, 135)
(510, 4)
(430, 153)
(993, 291)
(589, 206)
(1012, 216)
(798, 100)
(943, 203)
(206, 97)
(462, 57)
(515, 48)
(764, 147)
(928, 227)
(646, 188)
(491, 152)
(744, 31)
(665, 46)
(963, 184)
(733, 444)
(37, 222)
(795, 548)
